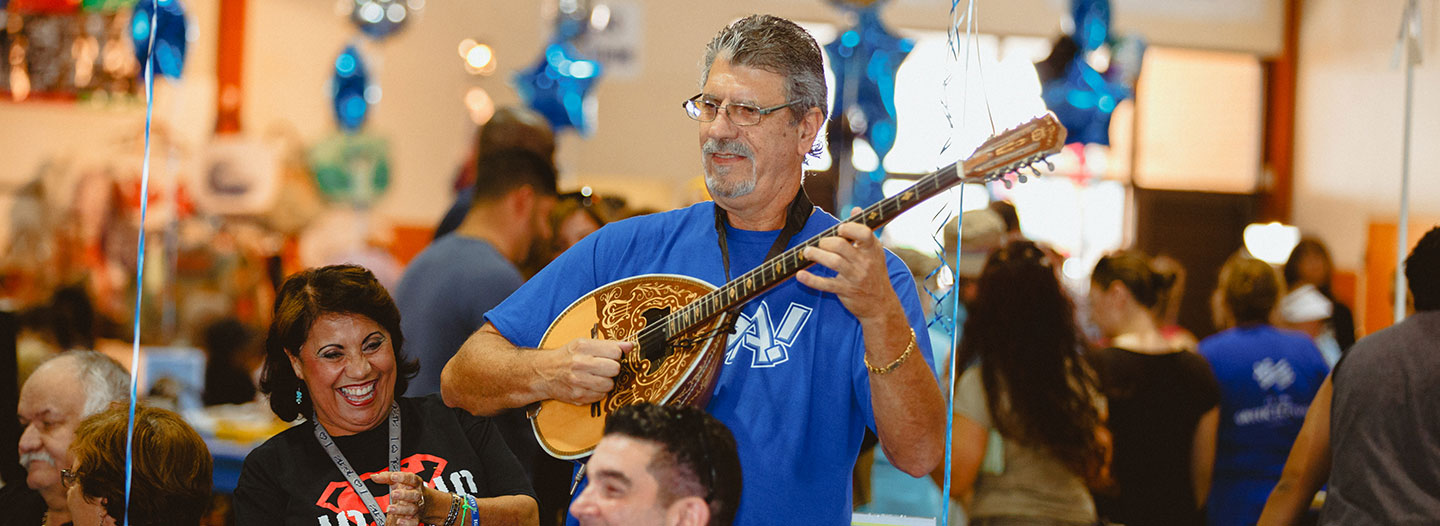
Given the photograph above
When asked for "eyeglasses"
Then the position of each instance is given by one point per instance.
(68, 478)
(740, 114)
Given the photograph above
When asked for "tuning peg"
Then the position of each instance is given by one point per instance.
(1008, 184)
(1035, 170)
(1021, 177)
(1049, 165)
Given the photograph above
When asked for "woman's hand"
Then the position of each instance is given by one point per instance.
(407, 495)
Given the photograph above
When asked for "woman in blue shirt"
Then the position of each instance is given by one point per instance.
(1267, 377)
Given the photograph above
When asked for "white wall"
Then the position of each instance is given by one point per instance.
(644, 147)
(1349, 123)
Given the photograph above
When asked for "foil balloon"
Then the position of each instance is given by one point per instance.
(558, 87)
(572, 19)
(865, 59)
(379, 19)
(1083, 97)
(170, 29)
(348, 89)
(351, 168)
(1084, 102)
(1092, 23)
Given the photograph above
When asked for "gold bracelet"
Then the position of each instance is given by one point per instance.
(891, 368)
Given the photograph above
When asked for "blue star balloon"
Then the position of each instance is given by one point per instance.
(1084, 102)
(558, 86)
(347, 89)
(379, 18)
(1092, 23)
(170, 33)
(865, 59)
(1083, 98)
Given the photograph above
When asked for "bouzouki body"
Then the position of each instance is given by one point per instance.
(618, 311)
(679, 324)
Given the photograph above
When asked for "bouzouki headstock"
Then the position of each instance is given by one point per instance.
(1016, 149)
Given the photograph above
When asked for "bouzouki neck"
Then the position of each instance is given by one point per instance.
(1003, 154)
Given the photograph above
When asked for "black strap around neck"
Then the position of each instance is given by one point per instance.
(795, 218)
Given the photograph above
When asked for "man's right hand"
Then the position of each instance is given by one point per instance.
(583, 370)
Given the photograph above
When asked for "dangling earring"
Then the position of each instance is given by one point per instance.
(298, 396)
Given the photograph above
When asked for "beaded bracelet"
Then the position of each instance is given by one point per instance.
(454, 510)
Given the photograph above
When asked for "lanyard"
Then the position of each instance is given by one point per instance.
(377, 516)
(795, 218)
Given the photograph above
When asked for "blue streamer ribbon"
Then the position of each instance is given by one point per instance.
(140, 267)
(968, 18)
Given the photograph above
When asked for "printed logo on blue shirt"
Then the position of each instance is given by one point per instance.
(1272, 374)
(768, 342)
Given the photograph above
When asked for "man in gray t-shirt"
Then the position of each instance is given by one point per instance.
(1372, 427)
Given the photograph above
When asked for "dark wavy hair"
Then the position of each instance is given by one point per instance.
(1307, 246)
(171, 482)
(697, 456)
(305, 297)
(1422, 271)
(1039, 390)
(1134, 270)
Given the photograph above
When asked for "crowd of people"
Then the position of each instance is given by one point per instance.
(416, 408)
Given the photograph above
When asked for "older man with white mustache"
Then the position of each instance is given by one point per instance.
(56, 397)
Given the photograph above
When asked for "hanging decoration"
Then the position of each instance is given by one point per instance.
(84, 54)
(351, 167)
(558, 85)
(865, 59)
(349, 88)
(379, 19)
(170, 34)
(1089, 72)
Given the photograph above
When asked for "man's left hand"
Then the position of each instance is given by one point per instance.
(862, 281)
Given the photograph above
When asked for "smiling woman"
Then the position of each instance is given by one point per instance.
(335, 356)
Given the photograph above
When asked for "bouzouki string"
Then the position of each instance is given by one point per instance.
(795, 219)
(796, 216)
(1009, 152)
(686, 326)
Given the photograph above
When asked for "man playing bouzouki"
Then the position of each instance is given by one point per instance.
(812, 362)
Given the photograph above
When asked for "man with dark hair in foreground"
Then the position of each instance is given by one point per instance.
(662, 465)
(1371, 430)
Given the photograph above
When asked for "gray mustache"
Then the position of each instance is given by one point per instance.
(713, 146)
(42, 456)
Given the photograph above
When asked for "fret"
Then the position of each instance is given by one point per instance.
(1043, 136)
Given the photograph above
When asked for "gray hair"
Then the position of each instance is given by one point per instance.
(103, 379)
(779, 46)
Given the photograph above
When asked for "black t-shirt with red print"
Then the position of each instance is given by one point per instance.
(290, 481)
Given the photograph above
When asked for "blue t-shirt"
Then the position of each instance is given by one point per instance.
(443, 298)
(794, 389)
(1267, 377)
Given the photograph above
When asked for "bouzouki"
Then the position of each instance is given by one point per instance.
(679, 324)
